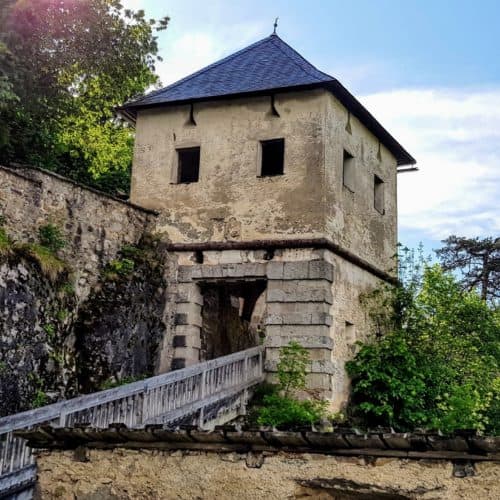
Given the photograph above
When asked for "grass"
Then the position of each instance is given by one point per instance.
(6, 245)
(53, 268)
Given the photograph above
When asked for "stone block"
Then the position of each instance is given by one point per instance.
(299, 318)
(317, 342)
(321, 367)
(197, 272)
(285, 308)
(320, 269)
(188, 353)
(299, 291)
(191, 334)
(189, 292)
(211, 272)
(274, 270)
(296, 270)
(273, 319)
(184, 274)
(230, 257)
(189, 313)
(298, 330)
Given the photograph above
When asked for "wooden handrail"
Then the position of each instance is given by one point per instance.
(167, 398)
(51, 412)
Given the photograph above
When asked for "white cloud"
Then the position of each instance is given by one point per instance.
(455, 137)
(192, 50)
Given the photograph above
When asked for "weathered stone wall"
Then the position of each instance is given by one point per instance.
(36, 339)
(69, 323)
(310, 296)
(351, 218)
(54, 347)
(128, 474)
(95, 225)
(230, 201)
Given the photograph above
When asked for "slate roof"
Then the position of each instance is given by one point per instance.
(267, 65)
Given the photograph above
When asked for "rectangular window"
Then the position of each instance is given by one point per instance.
(378, 194)
(273, 157)
(188, 165)
(348, 171)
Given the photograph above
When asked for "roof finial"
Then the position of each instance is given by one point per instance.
(275, 25)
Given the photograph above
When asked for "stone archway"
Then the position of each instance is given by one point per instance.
(230, 318)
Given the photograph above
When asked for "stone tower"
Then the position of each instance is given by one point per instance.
(276, 191)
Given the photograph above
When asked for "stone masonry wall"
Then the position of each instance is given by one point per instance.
(74, 326)
(154, 474)
(95, 225)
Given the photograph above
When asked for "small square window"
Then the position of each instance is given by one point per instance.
(273, 156)
(378, 194)
(348, 171)
(188, 165)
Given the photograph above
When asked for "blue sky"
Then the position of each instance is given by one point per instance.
(429, 70)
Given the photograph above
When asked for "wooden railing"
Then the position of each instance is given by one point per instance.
(208, 393)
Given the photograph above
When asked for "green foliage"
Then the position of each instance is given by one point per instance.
(477, 261)
(277, 405)
(51, 237)
(437, 367)
(51, 266)
(5, 243)
(292, 365)
(40, 399)
(50, 330)
(62, 314)
(64, 67)
(283, 411)
(119, 268)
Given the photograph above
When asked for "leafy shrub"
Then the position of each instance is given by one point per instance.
(292, 367)
(438, 365)
(283, 411)
(277, 405)
(51, 237)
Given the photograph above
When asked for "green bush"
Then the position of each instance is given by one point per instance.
(283, 411)
(292, 367)
(51, 237)
(277, 405)
(438, 365)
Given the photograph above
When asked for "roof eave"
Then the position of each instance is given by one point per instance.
(129, 112)
(371, 123)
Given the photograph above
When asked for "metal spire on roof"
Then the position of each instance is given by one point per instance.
(275, 25)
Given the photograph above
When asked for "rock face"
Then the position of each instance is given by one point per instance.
(132, 474)
(36, 341)
(120, 327)
(53, 347)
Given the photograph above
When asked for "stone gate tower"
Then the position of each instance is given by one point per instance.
(276, 191)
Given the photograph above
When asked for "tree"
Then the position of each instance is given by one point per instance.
(438, 364)
(478, 261)
(70, 63)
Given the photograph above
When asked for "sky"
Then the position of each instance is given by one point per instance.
(429, 71)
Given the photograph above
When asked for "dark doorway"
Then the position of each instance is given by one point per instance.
(232, 314)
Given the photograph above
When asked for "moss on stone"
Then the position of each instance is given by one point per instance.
(49, 264)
